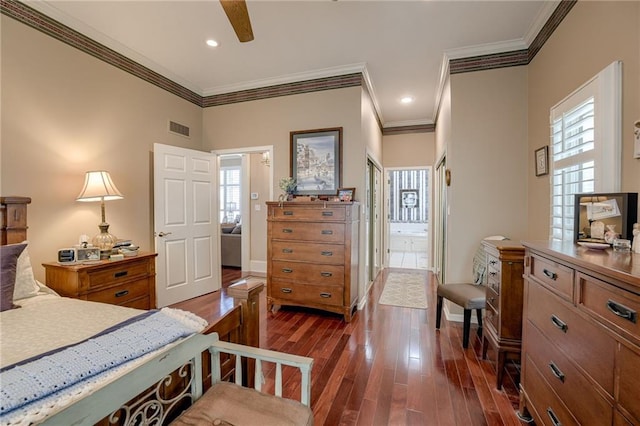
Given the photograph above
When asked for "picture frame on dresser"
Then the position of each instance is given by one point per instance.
(589, 207)
(316, 160)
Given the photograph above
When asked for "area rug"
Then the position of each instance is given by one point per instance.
(406, 290)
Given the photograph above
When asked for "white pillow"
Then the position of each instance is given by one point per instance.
(26, 284)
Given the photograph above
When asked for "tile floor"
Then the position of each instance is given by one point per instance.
(407, 259)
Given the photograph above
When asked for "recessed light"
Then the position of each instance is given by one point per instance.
(212, 43)
(407, 99)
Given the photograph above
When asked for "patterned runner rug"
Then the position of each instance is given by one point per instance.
(406, 290)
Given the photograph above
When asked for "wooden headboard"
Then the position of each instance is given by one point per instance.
(13, 219)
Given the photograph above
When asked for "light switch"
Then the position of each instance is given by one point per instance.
(257, 207)
(254, 195)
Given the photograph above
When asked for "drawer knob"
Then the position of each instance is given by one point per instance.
(559, 323)
(325, 295)
(287, 250)
(120, 274)
(286, 290)
(287, 213)
(491, 299)
(287, 270)
(287, 230)
(553, 417)
(622, 311)
(556, 371)
(326, 274)
(493, 262)
(325, 213)
(122, 293)
(327, 232)
(550, 274)
(326, 253)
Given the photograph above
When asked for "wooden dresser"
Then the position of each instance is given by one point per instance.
(129, 282)
(13, 219)
(503, 324)
(312, 255)
(581, 342)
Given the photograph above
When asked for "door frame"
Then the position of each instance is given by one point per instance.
(374, 226)
(245, 236)
(387, 214)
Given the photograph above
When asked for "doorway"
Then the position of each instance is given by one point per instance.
(248, 210)
(408, 217)
(373, 214)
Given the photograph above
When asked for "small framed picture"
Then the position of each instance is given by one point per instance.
(409, 198)
(346, 194)
(87, 255)
(542, 159)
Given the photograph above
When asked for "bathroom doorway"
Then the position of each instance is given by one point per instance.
(408, 217)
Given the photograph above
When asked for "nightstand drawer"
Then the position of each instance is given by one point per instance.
(122, 294)
(117, 273)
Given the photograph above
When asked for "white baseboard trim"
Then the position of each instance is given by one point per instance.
(457, 317)
(258, 267)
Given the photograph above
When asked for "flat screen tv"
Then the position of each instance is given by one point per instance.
(617, 209)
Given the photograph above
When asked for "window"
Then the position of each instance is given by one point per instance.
(585, 146)
(230, 194)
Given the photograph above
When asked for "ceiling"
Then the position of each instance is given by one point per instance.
(400, 46)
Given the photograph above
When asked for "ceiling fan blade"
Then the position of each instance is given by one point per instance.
(238, 15)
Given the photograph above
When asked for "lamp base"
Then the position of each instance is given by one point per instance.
(104, 240)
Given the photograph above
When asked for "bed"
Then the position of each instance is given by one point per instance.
(129, 366)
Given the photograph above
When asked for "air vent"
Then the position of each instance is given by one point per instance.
(178, 129)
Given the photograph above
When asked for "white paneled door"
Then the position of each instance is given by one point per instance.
(185, 223)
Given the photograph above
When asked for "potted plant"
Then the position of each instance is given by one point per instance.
(288, 185)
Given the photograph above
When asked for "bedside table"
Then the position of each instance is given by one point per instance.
(128, 282)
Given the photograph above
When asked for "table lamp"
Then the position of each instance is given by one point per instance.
(98, 186)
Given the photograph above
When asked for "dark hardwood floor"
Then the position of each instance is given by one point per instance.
(389, 366)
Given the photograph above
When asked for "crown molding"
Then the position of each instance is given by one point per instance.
(286, 79)
(541, 19)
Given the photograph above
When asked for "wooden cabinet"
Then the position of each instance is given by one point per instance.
(312, 255)
(13, 219)
(581, 341)
(503, 331)
(128, 282)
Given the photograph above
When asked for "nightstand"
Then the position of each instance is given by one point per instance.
(128, 282)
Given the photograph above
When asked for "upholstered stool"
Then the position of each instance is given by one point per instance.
(469, 296)
(228, 403)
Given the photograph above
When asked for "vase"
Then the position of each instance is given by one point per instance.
(611, 234)
(289, 197)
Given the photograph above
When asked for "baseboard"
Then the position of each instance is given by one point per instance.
(457, 317)
(258, 267)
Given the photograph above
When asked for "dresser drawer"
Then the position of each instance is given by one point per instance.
(309, 273)
(492, 318)
(316, 231)
(307, 214)
(308, 294)
(493, 299)
(629, 366)
(588, 406)
(550, 410)
(122, 294)
(587, 344)
(613, 306)
(557, 277)
(117, 273)
(308, 252)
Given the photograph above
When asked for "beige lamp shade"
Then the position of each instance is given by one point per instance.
(98, 186)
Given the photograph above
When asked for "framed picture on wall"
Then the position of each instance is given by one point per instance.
(316, 161)
(542, 158)
(409, 198)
